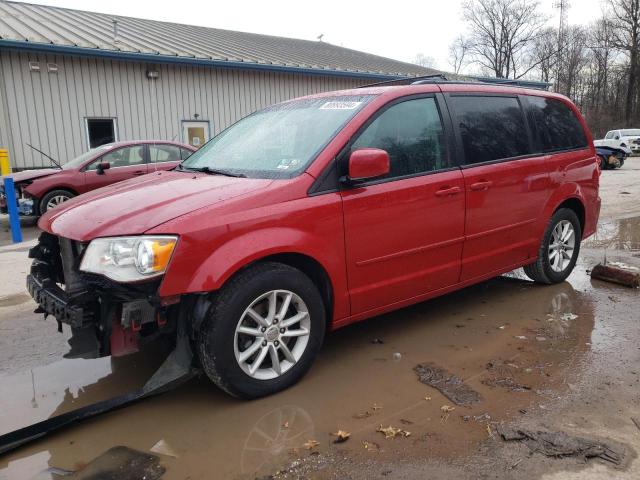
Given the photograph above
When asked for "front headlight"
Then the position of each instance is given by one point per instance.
(129, 259)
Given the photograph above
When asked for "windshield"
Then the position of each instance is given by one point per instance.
(78, 161)
(631, 132)
(279, 141)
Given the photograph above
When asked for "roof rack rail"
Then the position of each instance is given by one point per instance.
(409, 80)
(442, 78)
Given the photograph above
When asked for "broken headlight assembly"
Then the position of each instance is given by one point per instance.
(129, 259)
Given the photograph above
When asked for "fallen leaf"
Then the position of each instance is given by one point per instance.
(364, 414)
(376, 407)
(310, 444)
(446, 410)
(392, 432)
(371, 446)
(427, 398)
(341, 436)
(285, 425)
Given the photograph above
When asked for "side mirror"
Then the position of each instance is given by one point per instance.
(102, 166)
(367, 163)
(617, 137)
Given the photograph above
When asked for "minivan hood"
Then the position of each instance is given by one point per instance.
(32, 174)
(134, 206)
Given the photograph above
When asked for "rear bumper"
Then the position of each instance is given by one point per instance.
(52, 300)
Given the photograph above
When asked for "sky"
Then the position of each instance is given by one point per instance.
(399, 31)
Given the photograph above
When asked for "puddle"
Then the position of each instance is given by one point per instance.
(621, 234)
(212, 432)
(13, 300)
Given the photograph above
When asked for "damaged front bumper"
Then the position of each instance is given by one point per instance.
(106, 317)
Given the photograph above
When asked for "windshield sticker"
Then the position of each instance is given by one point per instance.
(340, 105)
(287, 164)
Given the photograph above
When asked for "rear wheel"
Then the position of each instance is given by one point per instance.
(263, 331)
(54, 198)
(559, 249)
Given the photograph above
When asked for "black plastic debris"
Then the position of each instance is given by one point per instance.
(560, 444)
(447, 383)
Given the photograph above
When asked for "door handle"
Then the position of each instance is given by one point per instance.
(139, 172)
(447, 191)
(484, 185)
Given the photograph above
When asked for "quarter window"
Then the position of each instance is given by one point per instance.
(492, 128)
(164, 153)
(411, 132)
(557, 125)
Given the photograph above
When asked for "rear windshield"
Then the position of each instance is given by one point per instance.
(279, 141)
(630, 132)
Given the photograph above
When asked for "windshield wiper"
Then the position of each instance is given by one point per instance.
(215, 171)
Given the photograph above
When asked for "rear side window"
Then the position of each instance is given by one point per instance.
(492, 128)
(411, 132)
(557, 125)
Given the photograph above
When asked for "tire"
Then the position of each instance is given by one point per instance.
(545, 269)
(220, 345)
(54, 196)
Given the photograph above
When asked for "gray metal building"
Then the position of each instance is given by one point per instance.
(70, 80)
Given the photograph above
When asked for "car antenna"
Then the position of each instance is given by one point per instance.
(49, 157)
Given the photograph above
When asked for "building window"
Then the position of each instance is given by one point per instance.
(100, 131)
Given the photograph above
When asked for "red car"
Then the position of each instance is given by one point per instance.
(319, 212)
(40, 190)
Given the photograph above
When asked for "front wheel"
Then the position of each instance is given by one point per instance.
(53, 199)
(263, 331)
(559, 250)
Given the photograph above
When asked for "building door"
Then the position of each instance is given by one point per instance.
(195, 133)
(100, 131)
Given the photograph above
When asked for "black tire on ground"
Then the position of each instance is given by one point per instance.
(215, 339)
(54, 194)
(541, 271)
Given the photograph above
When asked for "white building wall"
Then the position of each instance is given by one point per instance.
(48, 110)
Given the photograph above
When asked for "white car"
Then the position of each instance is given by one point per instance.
(627, 139)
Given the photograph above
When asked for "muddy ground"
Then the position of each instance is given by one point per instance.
(557, 358)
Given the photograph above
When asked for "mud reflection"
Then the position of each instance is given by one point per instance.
(277, 432)
(539, 334)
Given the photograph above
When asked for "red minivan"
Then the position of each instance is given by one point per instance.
(316, 213)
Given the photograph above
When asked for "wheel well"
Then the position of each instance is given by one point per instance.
(312, 269)
(575, 205)
(70, 190)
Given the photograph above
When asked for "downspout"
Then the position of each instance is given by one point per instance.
(6, 135)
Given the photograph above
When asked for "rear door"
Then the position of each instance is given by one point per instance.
(125, 163)
(506, 184)
(404, 232)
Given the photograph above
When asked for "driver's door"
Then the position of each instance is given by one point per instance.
(124, 163)
(404, 232)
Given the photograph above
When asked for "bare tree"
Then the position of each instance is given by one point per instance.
(458, 53)
(424, 60)
(500, 32)
(625, 16)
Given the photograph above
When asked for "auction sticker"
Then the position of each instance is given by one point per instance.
(340, 105)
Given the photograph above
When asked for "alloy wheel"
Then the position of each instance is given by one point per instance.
(562, 245)
(272, 334)
(55, 201)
